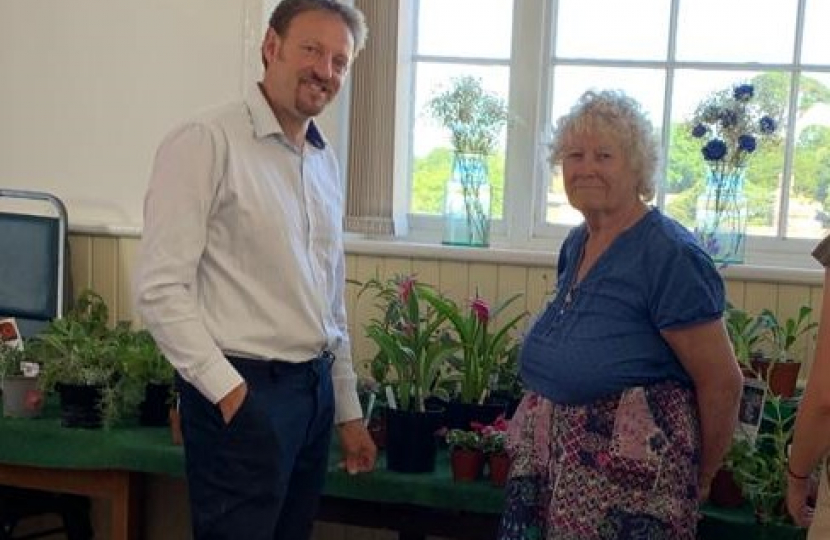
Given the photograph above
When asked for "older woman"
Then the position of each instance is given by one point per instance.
(633, 388)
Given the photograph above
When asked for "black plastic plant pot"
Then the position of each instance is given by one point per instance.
(80, 405)
(411, 442)
(155, 409)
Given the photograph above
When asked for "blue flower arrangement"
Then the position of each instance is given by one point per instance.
(732, 124)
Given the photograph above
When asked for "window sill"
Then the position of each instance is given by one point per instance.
(538, 255)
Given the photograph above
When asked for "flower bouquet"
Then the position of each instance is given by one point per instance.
(731, 124)
(474, 118)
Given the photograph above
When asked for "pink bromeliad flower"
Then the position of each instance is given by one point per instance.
(405, 289)
(481, 309)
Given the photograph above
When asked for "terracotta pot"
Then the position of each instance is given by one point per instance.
(466, 465)
(499, 468)
(780, 376)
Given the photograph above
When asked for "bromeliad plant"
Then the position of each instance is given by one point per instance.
(411, 344)
(483, 347)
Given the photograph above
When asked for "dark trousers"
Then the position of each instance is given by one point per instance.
(260, 476)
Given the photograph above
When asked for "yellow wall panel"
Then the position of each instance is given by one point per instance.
(80, 260)
(105, 272)
(541, 283)
(483, 279)
(454, 279)
(128, 249)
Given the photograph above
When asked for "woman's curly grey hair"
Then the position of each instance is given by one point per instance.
(615, 114)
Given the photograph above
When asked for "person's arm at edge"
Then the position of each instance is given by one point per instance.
(706, 354)
(358, 450)
(811, 434)
(176, 208)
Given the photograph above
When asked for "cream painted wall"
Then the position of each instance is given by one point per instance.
(89, 88)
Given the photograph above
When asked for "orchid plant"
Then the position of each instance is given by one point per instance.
(411, 343)
(482, 345)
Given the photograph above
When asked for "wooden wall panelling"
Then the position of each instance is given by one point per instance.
(105, 272)
(735, 292)
(396, 266)
(541, 284)
(454, 279)
(366, 267)
(512, 280)
(80, 261)
(759, 295)
(426, 271)
(483, 279)
(128, 249)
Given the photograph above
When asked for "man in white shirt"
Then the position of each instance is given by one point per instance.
(241, 282)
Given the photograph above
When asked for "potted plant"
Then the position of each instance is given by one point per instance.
(760, 467)
(466, 456)
(493, 443)
(413, 349)
(745, 332)
(475, 118)
(482, 347)
(78, 362)
(147, 384)
(18, 382)
(780, 368)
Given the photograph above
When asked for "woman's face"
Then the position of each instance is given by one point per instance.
(598, 175)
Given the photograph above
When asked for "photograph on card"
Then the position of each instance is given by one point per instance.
(751, 411)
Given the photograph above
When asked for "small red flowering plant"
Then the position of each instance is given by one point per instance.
(493, 436)
(482, 344)
(463, 439)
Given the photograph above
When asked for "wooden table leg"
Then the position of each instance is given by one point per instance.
(120, 488)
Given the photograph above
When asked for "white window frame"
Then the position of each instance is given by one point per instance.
(530, 66)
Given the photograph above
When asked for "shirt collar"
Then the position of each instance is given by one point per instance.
(265, 123)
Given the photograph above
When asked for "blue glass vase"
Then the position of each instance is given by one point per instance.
(467, 202)
(721, 215)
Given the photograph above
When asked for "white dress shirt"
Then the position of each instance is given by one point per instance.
(242, 250)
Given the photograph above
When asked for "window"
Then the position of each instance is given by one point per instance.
(541, 55)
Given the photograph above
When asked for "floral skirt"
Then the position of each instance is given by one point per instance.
(624, 467)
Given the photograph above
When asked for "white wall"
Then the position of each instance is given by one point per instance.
(89, 87)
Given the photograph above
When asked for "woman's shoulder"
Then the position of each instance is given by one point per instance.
(665, 239)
